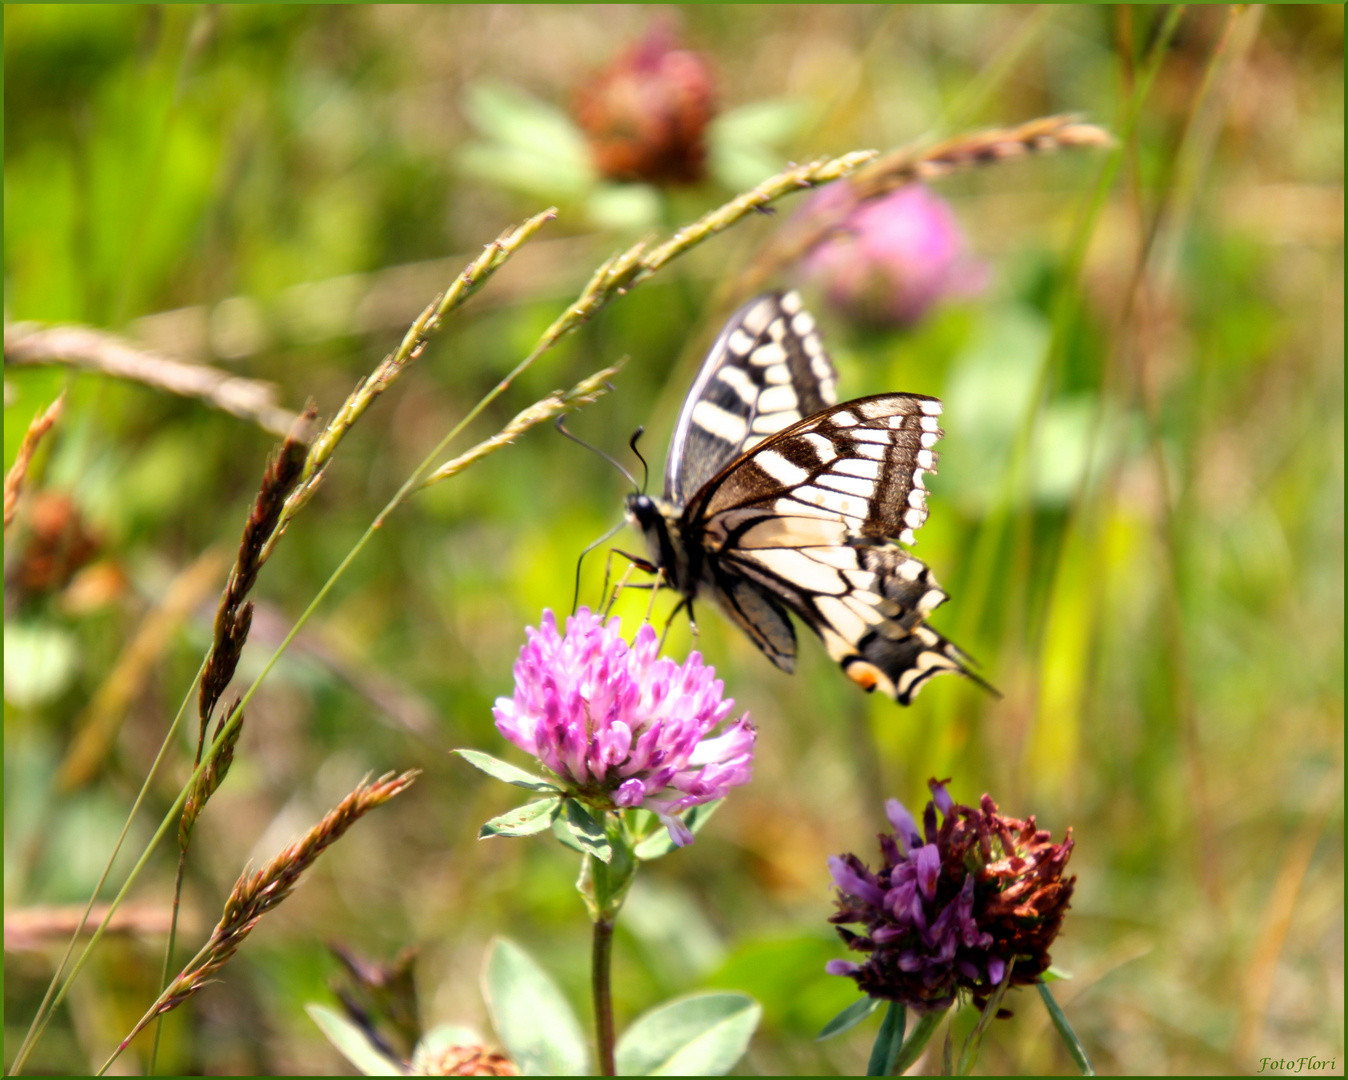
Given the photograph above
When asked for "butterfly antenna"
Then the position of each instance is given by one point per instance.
(575, 595)
(645, 469)
(560, 425)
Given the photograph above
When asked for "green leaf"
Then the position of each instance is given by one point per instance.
(502, 770)
(604, 883)
(352, 1043)
(888, 1042)
(509, 115)
(532, 1019)
(772, 122)
(743, 142)
(562, 831)
(914, 1044)
(849, 1018)
(587, 831)
(786, 972)
(668, 920)
(532, 817)
(1065, 1032)
(701, 1035)
(528, 144)
(660, 843)
(969, 1052)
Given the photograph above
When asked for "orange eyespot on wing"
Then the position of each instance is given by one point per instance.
(867, 676)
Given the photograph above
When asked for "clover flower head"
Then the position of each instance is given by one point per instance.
(893, 258)
(621, 726)
(953, 907)
(470, 1059)
(646, 114)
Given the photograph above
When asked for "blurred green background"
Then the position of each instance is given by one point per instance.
(1139, 512)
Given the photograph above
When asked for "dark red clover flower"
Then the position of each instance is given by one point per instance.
(620, 726)
(893, 258)
(953, 906)
(646, 114)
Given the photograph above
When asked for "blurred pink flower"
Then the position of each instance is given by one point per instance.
(620, 725)
(893, 258)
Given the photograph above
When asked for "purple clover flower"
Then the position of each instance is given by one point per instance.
(893, 258)
(620, 726)
(951, 908)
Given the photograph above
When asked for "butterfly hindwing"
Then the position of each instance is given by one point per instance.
(867, 601)
(805, 517)
(761, 617)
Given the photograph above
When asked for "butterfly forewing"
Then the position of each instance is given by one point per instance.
(861, 463)
(766, 371)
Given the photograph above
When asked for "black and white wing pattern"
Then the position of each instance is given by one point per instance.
(766, 370)
(778, 500)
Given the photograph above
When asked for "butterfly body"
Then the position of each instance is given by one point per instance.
(779, 500)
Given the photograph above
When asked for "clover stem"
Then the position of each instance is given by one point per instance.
(603, 997)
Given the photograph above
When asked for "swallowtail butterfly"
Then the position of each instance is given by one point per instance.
(779, 499)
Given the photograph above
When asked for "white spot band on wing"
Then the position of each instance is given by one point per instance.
(780, 469)
(738, 380)
(777, 399)
(717, 421)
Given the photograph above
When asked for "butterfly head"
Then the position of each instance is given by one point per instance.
(657, 521)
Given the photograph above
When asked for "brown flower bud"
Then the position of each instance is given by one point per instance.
(469, 1061)
(646, 114)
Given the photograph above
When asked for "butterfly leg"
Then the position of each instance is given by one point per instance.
(664, 634)
(650, 604)
(636, 560)
(635, 563)
(685, 602)
(608, 573)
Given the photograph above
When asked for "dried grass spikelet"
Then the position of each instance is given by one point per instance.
(472, 278)
(19, 470)
(909, 164)
(256, 893)
(110, 354)
(234, 615)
